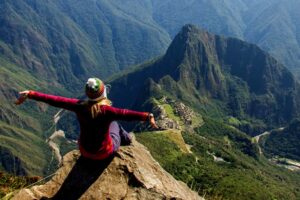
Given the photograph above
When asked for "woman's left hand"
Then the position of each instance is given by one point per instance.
(152, 121)
(23, 96)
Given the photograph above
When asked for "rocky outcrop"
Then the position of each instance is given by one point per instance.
(132, 174)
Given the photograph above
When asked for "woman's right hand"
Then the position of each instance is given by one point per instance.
(23, 96)
(152, 121)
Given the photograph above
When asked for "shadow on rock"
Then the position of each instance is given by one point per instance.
(84, 173)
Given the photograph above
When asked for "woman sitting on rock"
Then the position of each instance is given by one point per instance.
(100, 136)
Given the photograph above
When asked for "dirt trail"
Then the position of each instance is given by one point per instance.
(56, 134)
(257, 138)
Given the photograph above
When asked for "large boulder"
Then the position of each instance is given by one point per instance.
(131, 174)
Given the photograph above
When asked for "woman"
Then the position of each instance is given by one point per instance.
(100, 136)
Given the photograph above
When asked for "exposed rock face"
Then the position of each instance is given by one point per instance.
(131, 174)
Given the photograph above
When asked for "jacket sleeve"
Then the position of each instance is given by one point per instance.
(124, 114)
(57, 101)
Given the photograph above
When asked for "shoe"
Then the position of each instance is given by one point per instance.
(126, 138)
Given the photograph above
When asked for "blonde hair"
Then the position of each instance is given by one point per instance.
(95, 108)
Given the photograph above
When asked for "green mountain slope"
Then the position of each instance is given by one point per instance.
(214, 159)
(23, 129)
(67, 41)
(222, 164)
(53, 46)
(217, 76)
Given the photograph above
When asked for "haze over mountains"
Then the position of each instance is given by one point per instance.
(67, 41)
(72, 40)
(271, 24)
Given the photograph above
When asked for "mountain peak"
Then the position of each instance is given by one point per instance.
(192, 32)
(190, 28)
(189, 43)
(200, 66)
(131, 174)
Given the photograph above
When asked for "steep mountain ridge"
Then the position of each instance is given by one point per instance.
(220, 76)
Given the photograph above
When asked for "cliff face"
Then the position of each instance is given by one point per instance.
(131, 174)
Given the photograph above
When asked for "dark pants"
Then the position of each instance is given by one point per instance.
(118, 135)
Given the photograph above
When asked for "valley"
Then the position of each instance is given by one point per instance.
(282, 162)
(287, 163)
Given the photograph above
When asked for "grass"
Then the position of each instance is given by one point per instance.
(170, 112)
(10, 183)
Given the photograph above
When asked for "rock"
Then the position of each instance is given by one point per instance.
(131, 175)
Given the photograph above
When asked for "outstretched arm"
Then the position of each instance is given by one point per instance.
(57, 101)
(128, 115)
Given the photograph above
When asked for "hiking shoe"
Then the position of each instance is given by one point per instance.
(126, 138)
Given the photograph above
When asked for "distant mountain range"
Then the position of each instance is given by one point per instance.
(271, 24)
(68, 41)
